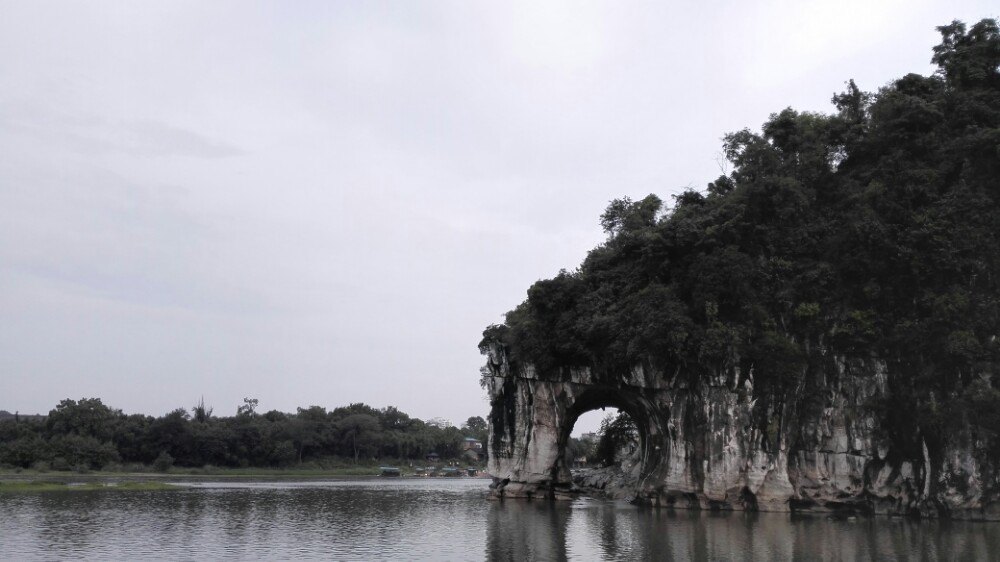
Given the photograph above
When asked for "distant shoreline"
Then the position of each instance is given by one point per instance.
(196, 474)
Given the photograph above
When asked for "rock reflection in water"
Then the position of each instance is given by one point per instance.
(527, 530)
(591, 529)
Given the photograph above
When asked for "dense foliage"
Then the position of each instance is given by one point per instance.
(617, 437)
(870, 232)
(87, 434)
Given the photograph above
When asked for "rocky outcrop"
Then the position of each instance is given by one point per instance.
(715, 444)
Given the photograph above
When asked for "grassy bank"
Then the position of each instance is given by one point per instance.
(55, 486)
(279, 472)
(143, 472)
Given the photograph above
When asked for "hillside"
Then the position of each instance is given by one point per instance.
(869, 232)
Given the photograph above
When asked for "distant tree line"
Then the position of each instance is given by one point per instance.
(88, 435)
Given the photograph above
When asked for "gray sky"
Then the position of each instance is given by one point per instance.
(319, 203)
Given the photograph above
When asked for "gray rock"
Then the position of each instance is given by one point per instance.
(705, 446)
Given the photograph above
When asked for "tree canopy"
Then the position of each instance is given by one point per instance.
(86, 434)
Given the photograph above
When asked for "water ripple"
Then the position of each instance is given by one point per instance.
(435, 519)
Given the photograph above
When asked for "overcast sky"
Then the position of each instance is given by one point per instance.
(320, 203)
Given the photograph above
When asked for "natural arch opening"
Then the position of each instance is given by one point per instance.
(603, 444)
(603, 437)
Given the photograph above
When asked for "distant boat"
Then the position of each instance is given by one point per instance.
(389, 471)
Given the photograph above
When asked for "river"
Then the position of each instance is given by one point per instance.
(441, 519)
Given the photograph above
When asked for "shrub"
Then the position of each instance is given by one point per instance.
(163, 462)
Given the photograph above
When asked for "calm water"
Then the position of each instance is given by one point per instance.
(437, 519)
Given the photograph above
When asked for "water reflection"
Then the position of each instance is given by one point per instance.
(522, 530)
(589, 529)
(442, 520)
(342, 520)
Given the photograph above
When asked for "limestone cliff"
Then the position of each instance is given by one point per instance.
(714, 445)
(817, 329)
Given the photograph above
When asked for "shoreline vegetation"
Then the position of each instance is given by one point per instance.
(86, 436)
(148, 479)
(148, 472)
(35, 486)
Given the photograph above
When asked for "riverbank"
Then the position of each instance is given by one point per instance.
(223, 473)
(214, 473)
(36, 486)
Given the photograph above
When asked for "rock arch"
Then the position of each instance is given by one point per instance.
(531, 419)
(643, 411)
(698, 446)
(711, 444)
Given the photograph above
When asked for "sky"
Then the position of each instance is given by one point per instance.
(320, 203)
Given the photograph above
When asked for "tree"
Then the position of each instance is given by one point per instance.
(359, 430)
(24, 450)
(248, 408)
(200, 412)
(617, 433)
(163, 462)
(82, 452)
(391, 418)
(969, 58)
(624, 215)
(172, 433)
(476, 427)
(88, 417)
(306, 429)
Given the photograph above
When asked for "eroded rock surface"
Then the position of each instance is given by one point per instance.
(713, 445)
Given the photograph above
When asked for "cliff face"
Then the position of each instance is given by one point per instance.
(715, 445)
